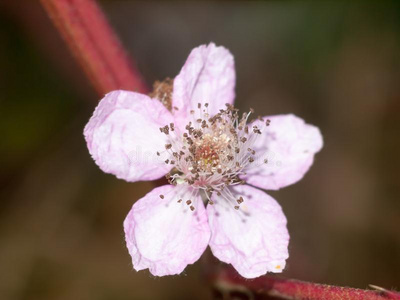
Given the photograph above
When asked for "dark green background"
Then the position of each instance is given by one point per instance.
(335, 64)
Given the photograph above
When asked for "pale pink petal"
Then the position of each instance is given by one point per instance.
(254, 239)
(123, 136)
(163, 235)
(289, 145)
(208, 76)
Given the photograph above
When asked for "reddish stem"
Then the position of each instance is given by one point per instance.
(271, 287)
(94, 44)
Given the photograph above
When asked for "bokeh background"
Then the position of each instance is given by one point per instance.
(335, 64)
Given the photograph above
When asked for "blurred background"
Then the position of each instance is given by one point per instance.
(335, 64)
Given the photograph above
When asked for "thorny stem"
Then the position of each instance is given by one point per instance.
(94, 44)
(229, 285)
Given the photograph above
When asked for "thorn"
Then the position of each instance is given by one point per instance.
(378, 288)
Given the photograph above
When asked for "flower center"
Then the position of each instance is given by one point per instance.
(212, 152)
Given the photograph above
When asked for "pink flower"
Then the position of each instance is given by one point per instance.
(208, 153)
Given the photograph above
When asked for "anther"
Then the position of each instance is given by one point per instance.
(192, 208)
(189, 202)
(165, 129)
(162, 196)
(237, 207)
(168, 146)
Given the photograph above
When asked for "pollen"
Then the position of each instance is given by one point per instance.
(211, 153)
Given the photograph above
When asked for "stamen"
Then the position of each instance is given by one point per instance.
(211, 154)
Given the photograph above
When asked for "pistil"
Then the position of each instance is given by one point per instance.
(212, 152)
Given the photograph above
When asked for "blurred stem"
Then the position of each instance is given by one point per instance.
(231, 285)
(94, 44)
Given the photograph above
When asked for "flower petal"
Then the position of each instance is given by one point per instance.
(163, 235)
(208, 76)
(123, 136)
(254, 239)
(289, 145)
